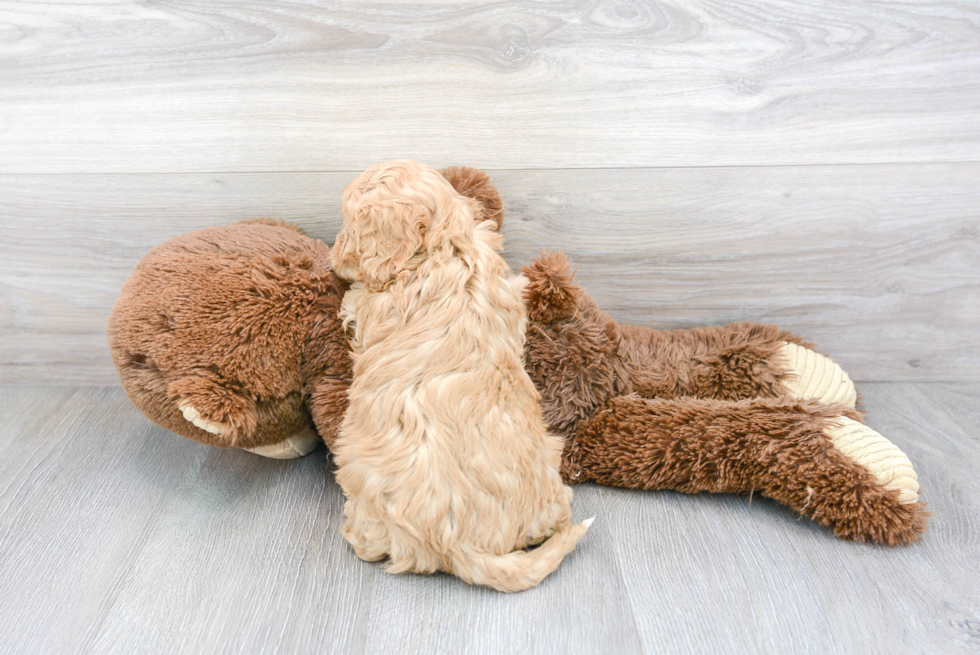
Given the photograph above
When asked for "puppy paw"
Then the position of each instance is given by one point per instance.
(889, 465)
(811, 376)
(298, 445)
(194, 416)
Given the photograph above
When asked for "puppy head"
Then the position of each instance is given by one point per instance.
(396, 214)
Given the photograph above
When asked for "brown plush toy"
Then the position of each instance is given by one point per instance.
(230, 336)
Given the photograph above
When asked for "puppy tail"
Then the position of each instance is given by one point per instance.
(521, 569)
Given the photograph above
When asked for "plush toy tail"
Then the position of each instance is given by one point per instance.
(521, 569)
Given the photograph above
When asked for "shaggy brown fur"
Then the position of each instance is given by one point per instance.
(775, 447)
(443, 455)
(694, 410)
(240, 321)
(474, 183)
(176, 330)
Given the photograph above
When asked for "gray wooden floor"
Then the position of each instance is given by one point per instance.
(116, 536)
(812, 164)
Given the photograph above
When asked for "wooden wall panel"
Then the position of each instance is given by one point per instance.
(309, 86)
(878, 264)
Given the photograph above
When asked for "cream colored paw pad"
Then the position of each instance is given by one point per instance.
(298, 445)
(890, 466)
(811, 376)
(194, 416)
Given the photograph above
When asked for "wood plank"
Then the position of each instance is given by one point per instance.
(116, 536)
(71, 519)
(750, 576)
(880, 265)
(582, 607)
(303, 86)
(106, 520)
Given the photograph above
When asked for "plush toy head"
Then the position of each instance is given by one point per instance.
(230, 336)
(395, 215)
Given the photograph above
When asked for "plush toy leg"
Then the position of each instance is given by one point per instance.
(883, 459)
(731, 362)
(808, 456)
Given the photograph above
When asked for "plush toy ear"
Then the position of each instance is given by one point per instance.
(474, 183)
(551, 295)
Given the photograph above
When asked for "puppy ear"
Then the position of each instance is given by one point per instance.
(389, 236)
(474, 183)
(453, 223)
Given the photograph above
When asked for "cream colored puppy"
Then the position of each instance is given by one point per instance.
(443, 453)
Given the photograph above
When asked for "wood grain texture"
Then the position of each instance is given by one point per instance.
(746, 575)
(189, 86)
(880, 265)
(116, 536)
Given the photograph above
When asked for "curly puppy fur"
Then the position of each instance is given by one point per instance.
(443, 454)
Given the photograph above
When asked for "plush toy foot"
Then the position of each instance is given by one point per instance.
(889, 465)
(811, 376)
(300, 444)
(194, 416)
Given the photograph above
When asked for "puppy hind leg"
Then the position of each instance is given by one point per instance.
(368, 536)
(556, 516)
(407, 555)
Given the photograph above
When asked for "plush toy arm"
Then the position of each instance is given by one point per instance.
(805, 455)
(204, 408)
(733, 362)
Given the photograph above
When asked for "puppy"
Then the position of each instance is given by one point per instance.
(443, 453)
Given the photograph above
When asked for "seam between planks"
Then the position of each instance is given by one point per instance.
(508, 169)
